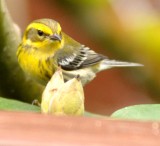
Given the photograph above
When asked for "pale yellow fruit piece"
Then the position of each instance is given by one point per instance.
(69, 99)
(53, 85)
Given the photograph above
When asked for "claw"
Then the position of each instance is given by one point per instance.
(36, 102)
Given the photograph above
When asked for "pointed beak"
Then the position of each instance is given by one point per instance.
(56, 37)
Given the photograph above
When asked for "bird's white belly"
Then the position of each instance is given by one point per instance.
(86, 75)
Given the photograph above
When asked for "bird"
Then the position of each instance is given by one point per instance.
(45, 47)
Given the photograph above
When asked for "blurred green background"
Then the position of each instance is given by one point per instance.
(122, 30)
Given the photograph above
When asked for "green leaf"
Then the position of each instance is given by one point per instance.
(139, 112)
(10, 104)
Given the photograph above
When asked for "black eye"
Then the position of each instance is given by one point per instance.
(40, 32)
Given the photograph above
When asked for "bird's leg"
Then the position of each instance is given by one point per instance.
(36, 102)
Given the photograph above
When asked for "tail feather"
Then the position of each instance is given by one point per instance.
(106, 64)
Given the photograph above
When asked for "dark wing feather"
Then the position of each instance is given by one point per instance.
(78, 58)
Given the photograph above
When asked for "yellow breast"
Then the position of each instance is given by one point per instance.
(35, 63)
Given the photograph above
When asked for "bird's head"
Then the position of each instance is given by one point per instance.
(43, 34)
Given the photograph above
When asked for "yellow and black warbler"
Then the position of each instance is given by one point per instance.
(45, 47)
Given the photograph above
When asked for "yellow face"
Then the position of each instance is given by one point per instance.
(43, 35)
(40, 41)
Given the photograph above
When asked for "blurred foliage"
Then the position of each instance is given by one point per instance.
(136, 112)
(139, 112)
(14, 105)
(13, 82)
(128, 29)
